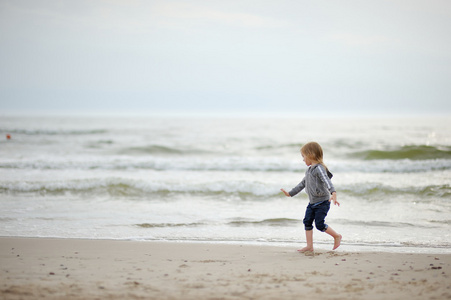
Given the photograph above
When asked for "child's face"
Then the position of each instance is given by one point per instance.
(307, 161)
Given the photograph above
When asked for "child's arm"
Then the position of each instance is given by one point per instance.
(323, 175)
(334, 198)
(285, 192)
(295, 190)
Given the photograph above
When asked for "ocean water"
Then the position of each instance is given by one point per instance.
(218, 179)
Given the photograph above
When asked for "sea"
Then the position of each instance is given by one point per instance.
(217, 179)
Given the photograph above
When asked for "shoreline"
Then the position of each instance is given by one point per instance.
(319, 245)
(38, 268)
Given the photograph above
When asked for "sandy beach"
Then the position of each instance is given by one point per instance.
(37, 268)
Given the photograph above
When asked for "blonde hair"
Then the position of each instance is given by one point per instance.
(314, 152)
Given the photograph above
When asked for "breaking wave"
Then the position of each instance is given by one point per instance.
(440, 191)
(229, 163)
(55, 131)
(266, 222)
(136, 188)
(159, 149)
(413, 152)
(220, 189)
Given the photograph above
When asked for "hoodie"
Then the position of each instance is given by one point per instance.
(317, 183)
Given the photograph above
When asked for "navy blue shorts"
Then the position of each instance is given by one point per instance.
(317, 212)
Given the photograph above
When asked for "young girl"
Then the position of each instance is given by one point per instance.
(318, 187)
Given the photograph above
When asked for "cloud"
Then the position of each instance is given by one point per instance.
(356, 40)
(180, 12)
(177, 53)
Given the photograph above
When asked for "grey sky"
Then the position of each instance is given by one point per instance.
(226, 56)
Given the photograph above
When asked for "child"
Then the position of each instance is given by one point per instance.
(318, 187)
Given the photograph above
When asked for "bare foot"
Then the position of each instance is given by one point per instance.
(337, 242)
(306, 249)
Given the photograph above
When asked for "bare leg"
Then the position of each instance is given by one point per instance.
(335, 235)
(309, 238)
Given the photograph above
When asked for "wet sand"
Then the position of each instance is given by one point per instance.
(38, 268)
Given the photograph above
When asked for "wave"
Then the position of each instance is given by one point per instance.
(266, 222)
(227, 163)
(439, 191)
(159, 149)
(286, 222)
(219, 189)
(172, 163)
(279, 147)
(412, 152)
(375, 223)
(54, 131)
(120, 187)
(162, 225)
(239, 222)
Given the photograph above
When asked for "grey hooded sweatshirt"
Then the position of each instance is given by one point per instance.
(317, 182)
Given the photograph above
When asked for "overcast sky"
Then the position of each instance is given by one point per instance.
(308, 57)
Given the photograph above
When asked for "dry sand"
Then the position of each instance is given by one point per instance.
(96, 269)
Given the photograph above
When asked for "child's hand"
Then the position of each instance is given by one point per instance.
(334, 198)
(285, 192)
